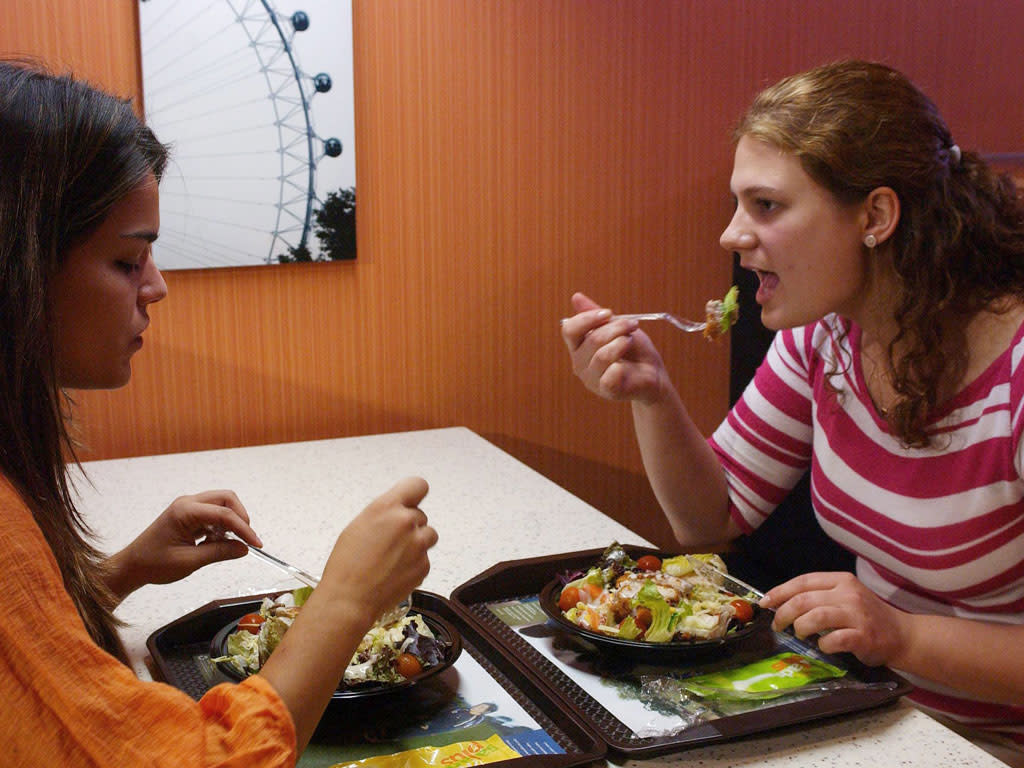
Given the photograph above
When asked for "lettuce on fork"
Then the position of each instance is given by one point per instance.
(722, 314)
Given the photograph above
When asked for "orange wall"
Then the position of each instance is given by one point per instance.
(509, 153)
(97, 39)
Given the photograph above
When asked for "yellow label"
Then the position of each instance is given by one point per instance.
(461, 753)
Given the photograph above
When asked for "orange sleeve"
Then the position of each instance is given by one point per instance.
(67, 702)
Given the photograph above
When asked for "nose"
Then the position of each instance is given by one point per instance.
(152, 287)
(737, 236)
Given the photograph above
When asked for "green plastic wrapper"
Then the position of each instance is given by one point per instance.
(765, 679)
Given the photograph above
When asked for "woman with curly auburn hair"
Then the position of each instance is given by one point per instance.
(78, 216)
(891, 264)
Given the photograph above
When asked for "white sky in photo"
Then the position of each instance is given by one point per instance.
(208, 95)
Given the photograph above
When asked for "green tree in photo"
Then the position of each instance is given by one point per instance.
(295, 254)
(335, 228)
(336, 225)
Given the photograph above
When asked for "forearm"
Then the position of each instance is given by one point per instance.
(974, 657)
(684, 472)
(311, 658)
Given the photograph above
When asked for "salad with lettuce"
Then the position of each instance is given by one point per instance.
(386, 654)
(653, 600)
(722, 314)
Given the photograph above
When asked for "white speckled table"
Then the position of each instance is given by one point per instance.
(487, 507)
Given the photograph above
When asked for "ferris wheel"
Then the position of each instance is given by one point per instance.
(223, 86)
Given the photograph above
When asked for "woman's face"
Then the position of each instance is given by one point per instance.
(805, 248)
(102, 292)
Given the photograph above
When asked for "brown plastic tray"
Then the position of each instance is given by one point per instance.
(180, 655)
(517, 579)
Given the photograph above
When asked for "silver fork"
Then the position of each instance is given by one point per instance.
(681, 323)
(736, 586)
(716, 575)
(297, 573)
(389, 616)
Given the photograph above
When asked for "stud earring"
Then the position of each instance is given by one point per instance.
(870, 241)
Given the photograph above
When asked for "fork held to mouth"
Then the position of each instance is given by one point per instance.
(681, 323)
(719, 316)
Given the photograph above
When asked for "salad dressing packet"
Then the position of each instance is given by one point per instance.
(707, 696)
(763, 679)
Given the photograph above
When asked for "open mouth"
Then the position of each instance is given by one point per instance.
(768, 283)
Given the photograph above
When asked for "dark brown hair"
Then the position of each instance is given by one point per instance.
(68, 153)
(959, 245)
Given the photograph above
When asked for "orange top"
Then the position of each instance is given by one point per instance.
(67, 702)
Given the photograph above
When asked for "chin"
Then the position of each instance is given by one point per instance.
(772, 321)
(122, 380)
(109, 380)
(780, 321)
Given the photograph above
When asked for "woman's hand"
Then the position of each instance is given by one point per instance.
(381, 556)
(843, 612)
(185, 537)
(965, 655)
(611, 356)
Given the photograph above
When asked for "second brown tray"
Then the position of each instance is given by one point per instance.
(517, 579)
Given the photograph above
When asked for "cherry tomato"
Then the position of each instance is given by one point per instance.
(744, 610)
(649, 563)
(593, 590)
(251, 623)
(643, 617)
(568, 599)
(408, 665)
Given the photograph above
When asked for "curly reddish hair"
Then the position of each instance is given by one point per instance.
(959, 245)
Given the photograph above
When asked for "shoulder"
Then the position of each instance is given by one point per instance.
(32, 576)
(1015, 353)
(1016, 346)
(21, 540)
(1009, 335)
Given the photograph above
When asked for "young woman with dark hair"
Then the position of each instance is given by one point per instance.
(78, 214)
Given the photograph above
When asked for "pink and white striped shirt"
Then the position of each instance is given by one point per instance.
(937, 530)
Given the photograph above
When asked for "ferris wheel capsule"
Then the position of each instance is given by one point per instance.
(322, 82)
(332, 147)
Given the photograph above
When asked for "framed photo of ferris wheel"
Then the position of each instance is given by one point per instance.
(255, 98)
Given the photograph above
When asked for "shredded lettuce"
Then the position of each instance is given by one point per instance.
(663, 618)
(374, 660)
(244, 651)
(613, 563)
(730, 310)
(628, 630)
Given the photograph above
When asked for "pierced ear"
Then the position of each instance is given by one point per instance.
(881, 214)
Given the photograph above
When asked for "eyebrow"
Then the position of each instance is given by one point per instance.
(149, 237)
(759, 189)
